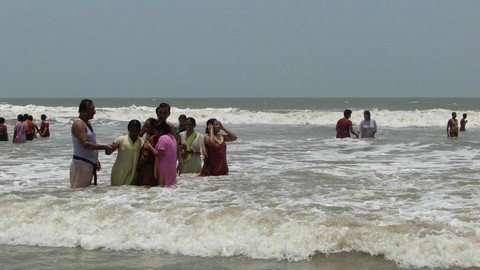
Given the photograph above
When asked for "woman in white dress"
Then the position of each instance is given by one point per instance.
(368, 126)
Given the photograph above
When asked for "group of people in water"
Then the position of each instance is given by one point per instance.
(155, 152)
(152, 154)
(25, 129)
(368, 126)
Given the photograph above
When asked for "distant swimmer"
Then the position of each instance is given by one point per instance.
(452, 126)
(344, 126)
(463, 122)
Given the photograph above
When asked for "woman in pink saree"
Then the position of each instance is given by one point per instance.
(165, 152)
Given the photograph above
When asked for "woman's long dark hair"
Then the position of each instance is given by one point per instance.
(210, 121)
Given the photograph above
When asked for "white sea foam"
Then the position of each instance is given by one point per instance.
(293, 191)
(384, 118)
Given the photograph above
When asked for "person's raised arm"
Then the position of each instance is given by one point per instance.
(230, 137)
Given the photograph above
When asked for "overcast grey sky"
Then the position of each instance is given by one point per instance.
(248, 48)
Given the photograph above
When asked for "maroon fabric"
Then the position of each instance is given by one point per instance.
(216, 162)
(343, 128)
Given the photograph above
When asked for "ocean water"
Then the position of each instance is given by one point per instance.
(296, 197)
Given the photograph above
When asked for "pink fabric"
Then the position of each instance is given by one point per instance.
(167, 166)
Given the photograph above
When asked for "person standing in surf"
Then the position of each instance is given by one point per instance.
(44, 127)
(344, 126)
(463, 122)
(452, 126)
(3, 130)
(368, 126)
(191, 146)
(85, 163)
(20, 130)
(125, 167)
(165, 152)
(215, 159)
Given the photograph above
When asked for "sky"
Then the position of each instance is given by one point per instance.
(242, 48)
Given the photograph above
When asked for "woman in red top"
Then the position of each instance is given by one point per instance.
(44, 127)
(3, 130)
(215, 158)
(344, 126)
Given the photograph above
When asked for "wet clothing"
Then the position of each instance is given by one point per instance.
(167, 165)
(463, 122)
(79, 176)
(192, 163)
(125, 166)
(215, 162)
(20, 132)
(45, 129)
(146, 165)
(343, 128)
(3, 132)
(368, 128)
(30, 130)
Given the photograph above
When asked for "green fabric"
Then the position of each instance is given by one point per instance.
(189, 142)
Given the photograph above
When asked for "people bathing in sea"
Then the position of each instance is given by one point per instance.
(85, 162)
(125, 167)
(344, 125)
(20, 130)
(44, 127)
(368, 126)
(3, 130)
(215, 156)
(165, 152)
(452, 126)
(463, 122)
(191, 146)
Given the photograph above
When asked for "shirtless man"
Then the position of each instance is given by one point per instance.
(85, 163)
(452, 126)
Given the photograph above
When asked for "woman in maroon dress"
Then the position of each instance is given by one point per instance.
(215, 156)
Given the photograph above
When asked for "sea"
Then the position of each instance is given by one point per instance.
(296, 197)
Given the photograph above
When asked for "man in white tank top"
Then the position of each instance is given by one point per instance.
(85, 161)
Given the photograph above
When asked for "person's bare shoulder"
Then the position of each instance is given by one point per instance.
(78, 127)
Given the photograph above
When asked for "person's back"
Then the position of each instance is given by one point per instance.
(344, 125)
(3, 130)
(30, 128)
(343, 128)
(20, 130)
(167, 166)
